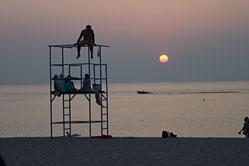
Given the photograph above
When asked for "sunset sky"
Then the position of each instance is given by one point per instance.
(205, 40)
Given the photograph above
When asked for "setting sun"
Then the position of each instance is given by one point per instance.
(163, 58)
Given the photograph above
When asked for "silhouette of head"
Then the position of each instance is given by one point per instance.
(88, 27)
(246, 119)
(56, 76)
(86, 75)
(68, 78)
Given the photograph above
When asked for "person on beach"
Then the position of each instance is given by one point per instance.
(88, 39)
(87, 86)
(245, 127)
(167, 134)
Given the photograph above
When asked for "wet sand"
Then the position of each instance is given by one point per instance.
(124, 151)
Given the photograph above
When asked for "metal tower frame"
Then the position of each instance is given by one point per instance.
(98, 70)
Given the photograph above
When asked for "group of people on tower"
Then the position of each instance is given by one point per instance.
(62, 85)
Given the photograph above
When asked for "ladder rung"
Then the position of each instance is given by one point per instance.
(66, 114)
(67, 129)
(104, 128)
(66, 100)
(66, 107)
(104, 114)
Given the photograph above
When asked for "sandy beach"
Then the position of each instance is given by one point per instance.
(124, 151)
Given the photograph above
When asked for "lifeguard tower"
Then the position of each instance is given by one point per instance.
(98, 76)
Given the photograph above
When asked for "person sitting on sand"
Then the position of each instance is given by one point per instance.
(167, 134)
(87, 86)
(88, 39)
(245, 127)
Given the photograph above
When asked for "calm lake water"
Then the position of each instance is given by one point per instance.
(177, 107)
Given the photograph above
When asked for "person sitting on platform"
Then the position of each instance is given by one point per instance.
(61, 83)
(69, 85)
(87, 86)
(56, 87)
(88, 39)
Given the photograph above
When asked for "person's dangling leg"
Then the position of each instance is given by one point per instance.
(78, 50)
(81, 44)
(90, 44)
(98, 100)
(91, 49)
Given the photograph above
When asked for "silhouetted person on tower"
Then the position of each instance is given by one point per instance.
(88, 39)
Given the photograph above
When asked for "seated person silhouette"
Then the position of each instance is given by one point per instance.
(167, 134)
(61, 83)
(69, 85)
(87, 86)
(56, 86)
(88, 39)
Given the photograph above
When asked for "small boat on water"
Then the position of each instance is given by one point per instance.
(142, 92)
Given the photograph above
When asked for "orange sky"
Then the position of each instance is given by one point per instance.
(133, 18)
(178, 28)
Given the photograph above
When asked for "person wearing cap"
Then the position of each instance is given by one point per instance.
(61, 83)
(88, 39)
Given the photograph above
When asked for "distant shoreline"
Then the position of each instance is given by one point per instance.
(145, 82)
